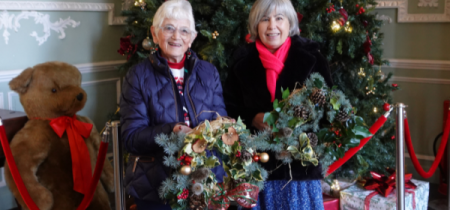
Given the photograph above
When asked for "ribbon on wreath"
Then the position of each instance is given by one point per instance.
(81, 161)
(384, 185)
(245, 194)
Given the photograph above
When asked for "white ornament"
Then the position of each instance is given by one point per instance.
(11, 21)
(197, 188)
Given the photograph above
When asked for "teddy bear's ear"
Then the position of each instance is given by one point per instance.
(20, 83)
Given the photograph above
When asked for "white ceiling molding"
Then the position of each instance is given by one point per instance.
(64, 6)
(442, 65)
(404, 17)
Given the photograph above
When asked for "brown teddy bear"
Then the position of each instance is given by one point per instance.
(48, 91)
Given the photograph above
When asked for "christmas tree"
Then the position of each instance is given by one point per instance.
(350, 39)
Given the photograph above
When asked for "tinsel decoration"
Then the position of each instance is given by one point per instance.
(313, 139)
(302, 112)
(342, 116)
(317, 97)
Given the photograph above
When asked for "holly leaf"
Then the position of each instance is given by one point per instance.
(212, 162)
(318, 83)
(292, 149)
(275, 104)
(257, 175)
(339, 47)
(335, 103)
(303, 139)
(285, 93)
(275, 129)
(361, 132)
(359, 121)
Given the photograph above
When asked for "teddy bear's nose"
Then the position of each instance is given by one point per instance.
(80, 96)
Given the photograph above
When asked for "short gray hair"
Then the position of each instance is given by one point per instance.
(174, 9)
(263, 8)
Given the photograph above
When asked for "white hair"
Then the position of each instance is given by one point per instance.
(263, 8)
(174, 9)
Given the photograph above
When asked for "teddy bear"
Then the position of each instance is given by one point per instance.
(50, 91)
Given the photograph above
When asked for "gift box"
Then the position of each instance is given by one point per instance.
(355, 196)
(330, 203)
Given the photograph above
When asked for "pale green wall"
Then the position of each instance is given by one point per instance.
(419, 41)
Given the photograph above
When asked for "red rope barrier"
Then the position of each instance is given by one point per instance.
(21, 186)
(352, 151)
(15, 172)
(439, 155)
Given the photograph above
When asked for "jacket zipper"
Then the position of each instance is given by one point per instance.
(189, 95)
(135, 163)
(174, 96)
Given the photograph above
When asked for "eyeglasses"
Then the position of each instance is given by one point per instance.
(169, 30)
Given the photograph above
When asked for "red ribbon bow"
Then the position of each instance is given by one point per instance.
(384, 185)
(81, 161)
(244, 194)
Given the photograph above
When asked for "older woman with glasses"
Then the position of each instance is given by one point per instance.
(279, 58)
(165, 93)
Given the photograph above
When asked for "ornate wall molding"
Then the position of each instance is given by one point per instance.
(442, 65)
(404, 17)
(64, 6)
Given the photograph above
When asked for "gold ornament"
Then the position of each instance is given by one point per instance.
(335, 26)
(185, 170)
(335, 188)
(215, 34)
(361, 72)
(375, 110)
(348, 28)
(136, 3)
(263, 157)
(147, 44)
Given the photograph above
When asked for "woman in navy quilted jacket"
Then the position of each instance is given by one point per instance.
(162, 94)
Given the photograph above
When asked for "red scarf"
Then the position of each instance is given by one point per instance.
(273, 63)
(177, 65)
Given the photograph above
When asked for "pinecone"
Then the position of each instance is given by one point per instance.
(317, 97)
(300, 111)
(197, 202)
(246, 156)
(342, 116)
(313, 140)
(285, 132)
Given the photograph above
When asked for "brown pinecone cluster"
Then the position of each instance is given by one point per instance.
(342, 116)
(317, 97)
(197, 202)
(313, 140)
(302, 112)
(246, 156)
(285, 132)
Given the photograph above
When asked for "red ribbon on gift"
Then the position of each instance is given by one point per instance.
(384, 185)
(245, 194)
(81, 161)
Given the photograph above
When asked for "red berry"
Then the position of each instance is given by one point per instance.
(357, 5)
(238, 154)
(394, 85)
(386, 106)
(393, 137)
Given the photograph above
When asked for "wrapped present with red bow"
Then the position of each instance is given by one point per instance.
(330, 202)
(379, 193)
(245, 194)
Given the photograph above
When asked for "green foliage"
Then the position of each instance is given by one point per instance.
(343, 50)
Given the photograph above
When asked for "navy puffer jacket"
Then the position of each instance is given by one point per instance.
(150, 105)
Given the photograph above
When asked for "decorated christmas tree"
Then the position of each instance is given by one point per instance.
(350, 39)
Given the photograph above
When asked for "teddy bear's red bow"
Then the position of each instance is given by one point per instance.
(81, 161)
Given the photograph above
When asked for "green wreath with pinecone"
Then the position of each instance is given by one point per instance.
(298, 131)
(193, 185)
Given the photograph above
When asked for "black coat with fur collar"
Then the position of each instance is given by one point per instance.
(246, 92)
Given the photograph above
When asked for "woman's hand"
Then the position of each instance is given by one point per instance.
(258, 123)
(181, 128)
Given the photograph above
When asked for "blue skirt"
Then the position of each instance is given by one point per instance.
(297, 195)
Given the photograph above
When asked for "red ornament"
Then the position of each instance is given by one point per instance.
(299, 17)
(357, 5)
(126, 47)
(344, 14)
(367, 44)
(392, 137)
(370, 58)
(394, 85)
(341, 21)
(365, 23)
(386, 106)
(255, 158)
(247, 38)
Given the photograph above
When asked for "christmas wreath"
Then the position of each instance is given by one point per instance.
(300, 132)
(193, 185)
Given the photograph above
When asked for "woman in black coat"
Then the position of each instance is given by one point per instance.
(250, 90)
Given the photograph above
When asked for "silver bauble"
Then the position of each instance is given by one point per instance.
(147, 44)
